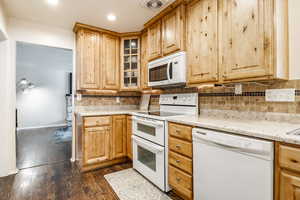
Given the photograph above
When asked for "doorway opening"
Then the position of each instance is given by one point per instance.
(43, 105)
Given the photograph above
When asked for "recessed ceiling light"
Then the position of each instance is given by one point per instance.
(53, 2)
(111, 17)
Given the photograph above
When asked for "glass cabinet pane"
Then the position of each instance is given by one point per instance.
(126, 44)
(134, 44)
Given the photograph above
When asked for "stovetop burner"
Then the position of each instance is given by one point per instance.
(159, 113)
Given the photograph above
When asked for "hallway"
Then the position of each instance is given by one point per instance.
(42, 146)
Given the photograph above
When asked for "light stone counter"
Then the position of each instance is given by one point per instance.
(86, 111)
(271, 130)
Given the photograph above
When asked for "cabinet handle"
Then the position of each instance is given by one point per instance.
(177, 146)
(178, 179)
(177, 131)
(177, 161)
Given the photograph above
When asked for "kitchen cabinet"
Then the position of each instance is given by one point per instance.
(154, 41)
(111, 64)
(181, 160)
(88, 59)
(97, 60)
(202, 41)
(119, 137)
(287, 174)
(249, 39)
(96, 144)
(144, 61)
(130, 63)
(100, 141)
(173, 31)
(129, 139)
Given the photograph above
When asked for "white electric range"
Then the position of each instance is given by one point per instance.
(150, 136)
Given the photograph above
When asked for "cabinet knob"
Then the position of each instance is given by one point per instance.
(178, 179)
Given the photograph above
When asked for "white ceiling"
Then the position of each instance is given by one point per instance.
(32, 56)
(130, 14)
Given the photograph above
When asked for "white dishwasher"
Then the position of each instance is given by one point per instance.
(231, 167)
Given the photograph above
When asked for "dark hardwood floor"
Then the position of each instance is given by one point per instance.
(60, 181)
(42, 146)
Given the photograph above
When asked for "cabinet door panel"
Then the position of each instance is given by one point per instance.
(96, 144)
(144, 61)
(119, 143)
(88, 59)
(173, 30)
(289, 186)
(202, 30)
(129, 134)
(246, 38)
(111, 65)
(154, 41)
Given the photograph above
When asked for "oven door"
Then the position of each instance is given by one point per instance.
(149, 129)
(149, 160)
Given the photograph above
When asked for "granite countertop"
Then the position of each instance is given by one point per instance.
(105, 112)
(271, 130)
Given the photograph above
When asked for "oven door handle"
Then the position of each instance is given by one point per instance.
(151, 147)
(147, 122)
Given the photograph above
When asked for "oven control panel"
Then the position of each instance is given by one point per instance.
(189, 99)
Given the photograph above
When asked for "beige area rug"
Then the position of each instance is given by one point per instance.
(130, 185)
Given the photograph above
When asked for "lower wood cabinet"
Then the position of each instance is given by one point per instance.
(129, 134)
(287, 174)
(96, 144)
(119, 137)
(180, 160)
(101, 141)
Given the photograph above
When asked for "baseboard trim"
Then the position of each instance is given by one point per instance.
(45, 126)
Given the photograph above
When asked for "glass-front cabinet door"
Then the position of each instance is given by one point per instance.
(130, 63)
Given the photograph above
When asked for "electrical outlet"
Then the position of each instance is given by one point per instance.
(78, 97)
(281, 95)
(238, 89)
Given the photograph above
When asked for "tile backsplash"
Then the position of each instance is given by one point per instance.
(108, 101)
(252, 99)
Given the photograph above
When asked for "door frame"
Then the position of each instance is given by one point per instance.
(13, 45)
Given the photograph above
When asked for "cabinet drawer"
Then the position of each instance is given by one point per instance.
(181, 162)
(180, 131)
(97, 121)
(181, 182)
(289, 157)
(180, 146)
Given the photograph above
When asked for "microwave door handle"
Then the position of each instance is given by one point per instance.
(168, 70)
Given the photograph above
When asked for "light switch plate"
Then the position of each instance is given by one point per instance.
(78, 97)
(281, 95)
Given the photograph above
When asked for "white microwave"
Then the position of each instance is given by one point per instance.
(167, 71)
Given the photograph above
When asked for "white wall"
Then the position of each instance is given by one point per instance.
(7, 142)
(294, 33)
(45, 104)
(30, 32)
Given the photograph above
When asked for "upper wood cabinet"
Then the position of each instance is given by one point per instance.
(154, 41)
(144, 61)
(88, 59)
(202, 41)
(96, 144)
(130, 63)
(250, 34)
(119, 137)
(173, 31)
(111, 63)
